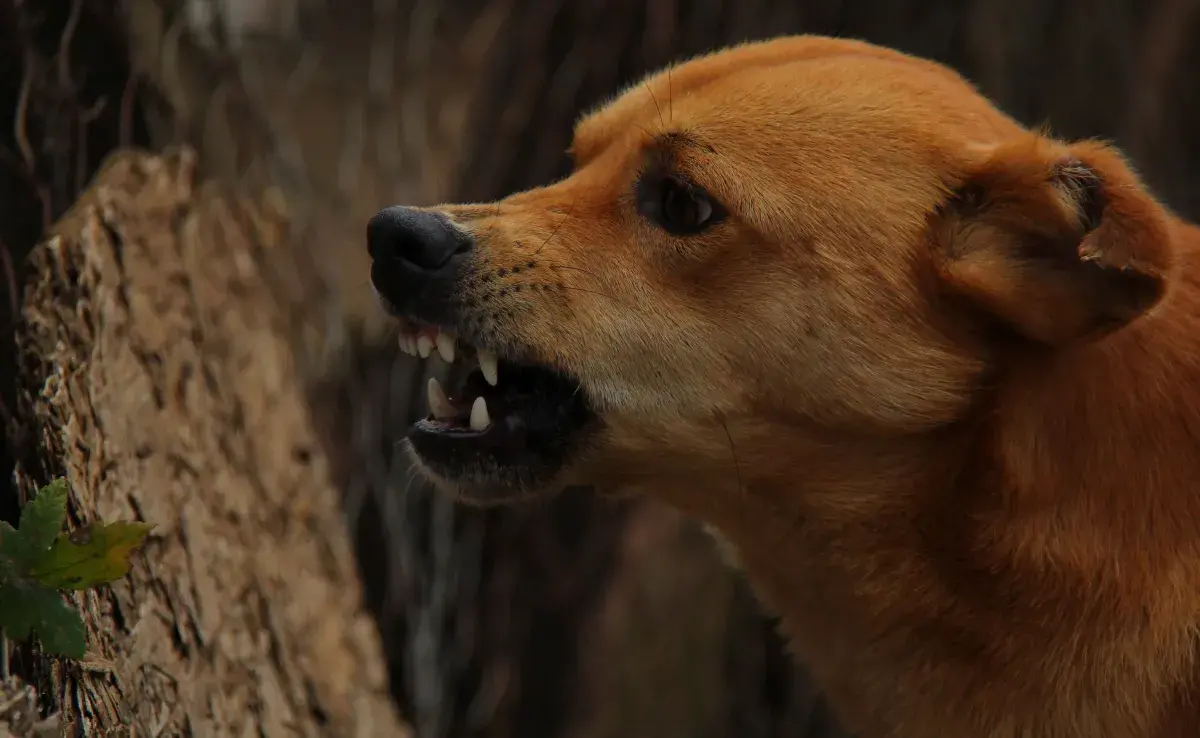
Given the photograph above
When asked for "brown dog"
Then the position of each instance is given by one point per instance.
(934, 376)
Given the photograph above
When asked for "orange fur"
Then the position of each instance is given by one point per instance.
(936, 378)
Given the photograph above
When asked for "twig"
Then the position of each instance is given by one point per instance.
(21, 134)
(10, 276)
(3, 656)
(64, 48)
(20, 130)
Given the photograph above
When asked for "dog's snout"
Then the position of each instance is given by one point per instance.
(424, 239)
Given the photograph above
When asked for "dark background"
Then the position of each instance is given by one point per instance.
(577, 617)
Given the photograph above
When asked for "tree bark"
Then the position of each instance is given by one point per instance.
(160, 381)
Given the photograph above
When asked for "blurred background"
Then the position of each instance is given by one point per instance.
(579, 617)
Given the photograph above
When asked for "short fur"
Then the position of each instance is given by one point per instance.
(936, 378)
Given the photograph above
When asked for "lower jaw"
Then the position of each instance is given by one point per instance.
(480, 485)
(496, 470)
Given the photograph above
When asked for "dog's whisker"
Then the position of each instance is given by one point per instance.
(554, 233)
(590, 292)
(737, 467)
(662, 124)
(575, 269)
(670, 94)
(646, 132)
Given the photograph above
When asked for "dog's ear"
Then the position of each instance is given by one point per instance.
(1059, 242)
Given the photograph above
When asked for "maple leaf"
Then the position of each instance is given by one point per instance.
(90, 556)
(37, 560)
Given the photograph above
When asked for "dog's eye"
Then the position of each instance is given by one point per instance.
(679, 208)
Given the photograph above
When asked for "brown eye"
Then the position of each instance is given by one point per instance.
(679, 208)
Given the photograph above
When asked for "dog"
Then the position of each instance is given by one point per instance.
(934, 376)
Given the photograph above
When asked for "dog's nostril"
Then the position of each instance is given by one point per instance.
(426, 240)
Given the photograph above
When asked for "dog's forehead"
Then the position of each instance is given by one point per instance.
(762, 82)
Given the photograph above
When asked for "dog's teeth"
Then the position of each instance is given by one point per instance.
(489, 366)
(479, 415)
(424, 346)
(445, 346)
(439, 404)
(407, 345)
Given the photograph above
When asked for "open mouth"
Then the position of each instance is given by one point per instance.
(507, 424)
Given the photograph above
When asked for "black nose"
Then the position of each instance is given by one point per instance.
(426, 240)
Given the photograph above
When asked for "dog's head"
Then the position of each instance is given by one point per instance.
(805, 233)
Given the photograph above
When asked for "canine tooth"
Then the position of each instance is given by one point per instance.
(479, 415)
(445, 346)
(489, 366)
(439, 404)
(424, 346)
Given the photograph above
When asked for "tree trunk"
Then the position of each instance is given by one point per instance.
(161, 384)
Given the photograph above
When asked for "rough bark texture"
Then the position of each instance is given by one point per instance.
(157, 373)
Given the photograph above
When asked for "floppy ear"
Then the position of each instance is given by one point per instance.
(1059, 242)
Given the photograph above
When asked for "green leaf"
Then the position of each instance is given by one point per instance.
(41, 521)
(27, 607)
(92, 555)
(16, 620)
(42, 517)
